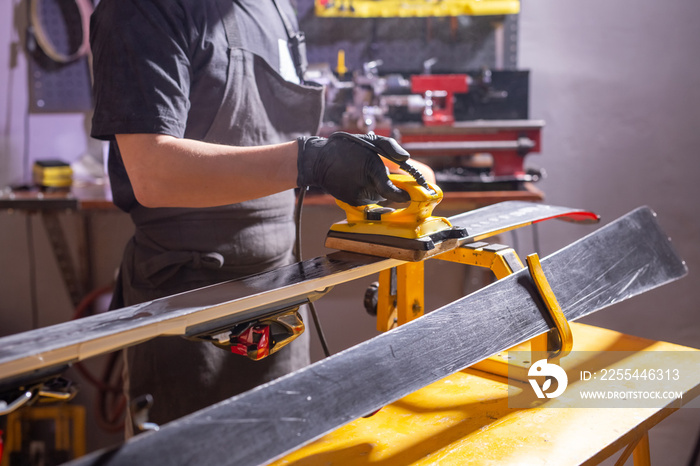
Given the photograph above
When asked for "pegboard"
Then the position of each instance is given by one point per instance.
(58, 87)
(459, 44)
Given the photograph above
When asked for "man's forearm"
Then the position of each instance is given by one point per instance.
(171, 172)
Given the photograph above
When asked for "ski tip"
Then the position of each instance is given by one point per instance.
(583, 217)
(648, 219)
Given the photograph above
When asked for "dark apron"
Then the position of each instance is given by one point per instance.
(175, 250)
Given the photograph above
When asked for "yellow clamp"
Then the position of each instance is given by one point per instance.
(412, 222)
(566, 339)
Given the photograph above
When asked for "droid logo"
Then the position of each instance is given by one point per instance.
(542, 368)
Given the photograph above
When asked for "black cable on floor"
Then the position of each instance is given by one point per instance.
(297, 255)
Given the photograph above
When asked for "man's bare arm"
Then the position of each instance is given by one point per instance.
(169, 172)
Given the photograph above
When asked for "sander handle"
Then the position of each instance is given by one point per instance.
(390, 149)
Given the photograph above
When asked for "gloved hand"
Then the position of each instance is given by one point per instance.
(348, 168)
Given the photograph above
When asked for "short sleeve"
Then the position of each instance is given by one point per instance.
(141, 68)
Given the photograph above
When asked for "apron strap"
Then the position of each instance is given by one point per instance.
(227, 17)
(296, 39)
(297, 45)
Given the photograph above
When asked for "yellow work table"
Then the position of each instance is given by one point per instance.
(466, 419)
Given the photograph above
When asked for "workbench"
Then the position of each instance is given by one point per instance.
(465, 419)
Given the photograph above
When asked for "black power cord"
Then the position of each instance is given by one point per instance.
(297, 256)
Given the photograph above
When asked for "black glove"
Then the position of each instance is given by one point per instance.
(348, 168)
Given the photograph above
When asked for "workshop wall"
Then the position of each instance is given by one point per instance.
(619, 87)
(455, 45)
(616, 83)
(34, 128)
(622, 101)
(42, 118)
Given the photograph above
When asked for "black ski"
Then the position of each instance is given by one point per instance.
(625, 258)
(28, 356)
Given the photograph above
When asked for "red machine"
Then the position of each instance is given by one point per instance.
(439, 91)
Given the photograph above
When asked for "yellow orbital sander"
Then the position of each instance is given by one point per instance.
(409, 233)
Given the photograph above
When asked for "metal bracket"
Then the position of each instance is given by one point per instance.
(7, 408)
(52, 389)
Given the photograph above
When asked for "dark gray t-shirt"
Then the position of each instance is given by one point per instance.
(160, 67)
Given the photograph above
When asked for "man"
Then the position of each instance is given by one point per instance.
(208, 125)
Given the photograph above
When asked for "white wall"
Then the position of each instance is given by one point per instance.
(618, 84)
